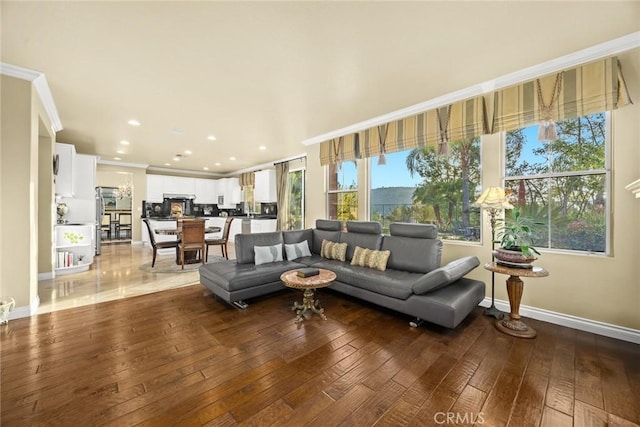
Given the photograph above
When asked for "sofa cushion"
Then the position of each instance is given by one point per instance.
(415, 255)
(368, 227)
(267, 254)
(296, 236)
(333, 250)
(392, 283)
(297, 250)
(364, 257)
(245, 243)
(328, 224)
(320, 235)
(445, 275)
(232, 276)
(417, 231)
(364, 240)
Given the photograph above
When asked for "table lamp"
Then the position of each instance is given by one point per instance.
(494, 200)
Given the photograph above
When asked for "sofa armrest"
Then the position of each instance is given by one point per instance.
(445, 275)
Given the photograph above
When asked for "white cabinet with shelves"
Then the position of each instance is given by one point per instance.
(66, 154)
(74, 248)
(265, 186)
(179, 185)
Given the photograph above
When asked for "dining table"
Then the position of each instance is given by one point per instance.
(190, 257)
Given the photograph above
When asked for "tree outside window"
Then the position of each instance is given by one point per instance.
(562, 183)
(296, 200)
(343, 191)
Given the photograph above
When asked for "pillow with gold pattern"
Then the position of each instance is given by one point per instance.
(371, 258)
(333, 250)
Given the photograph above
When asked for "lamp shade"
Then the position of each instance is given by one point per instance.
(493, 197)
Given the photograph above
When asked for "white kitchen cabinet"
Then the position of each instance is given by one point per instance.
(265, 186)
(231, 192)
(206, 191)
(66, 154)
(84, 176)
(74, 248)
(263, 225)
(236, 228)
(155, 188)
(179, 185)
(235, 191)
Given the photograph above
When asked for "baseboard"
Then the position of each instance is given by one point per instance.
(588, 325)
(26, 310)
(46, 276)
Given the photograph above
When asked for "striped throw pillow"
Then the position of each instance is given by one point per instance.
(333, 250)
(365, 257)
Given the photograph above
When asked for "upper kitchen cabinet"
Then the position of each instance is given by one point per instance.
(179, 185)
(235, 191)
(265, 186)
(229, 193)
(63, 169)
(206, 191)
(155, 188)
(84, 176)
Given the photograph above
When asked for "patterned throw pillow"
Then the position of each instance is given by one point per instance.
(333, 250)
(370, 258)
(267, 254)
(297, 250)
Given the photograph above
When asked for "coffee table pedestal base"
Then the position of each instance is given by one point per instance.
(308, 303)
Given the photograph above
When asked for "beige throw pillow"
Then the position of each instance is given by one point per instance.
(333, 250)
(370, 258)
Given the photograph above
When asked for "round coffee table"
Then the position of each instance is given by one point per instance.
(309, 284)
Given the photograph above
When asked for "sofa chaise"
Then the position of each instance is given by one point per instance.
(400, 271)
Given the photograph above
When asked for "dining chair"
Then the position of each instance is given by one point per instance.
(222, 242)
(124, 224)
(105, 225)
(191, 239)
(158, 245)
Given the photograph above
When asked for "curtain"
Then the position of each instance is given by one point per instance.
(248, 179)
(590, 88)
(282, 176)
(340, 149)
(437, 127)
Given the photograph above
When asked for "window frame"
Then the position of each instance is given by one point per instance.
(606, 171)
(329, 192)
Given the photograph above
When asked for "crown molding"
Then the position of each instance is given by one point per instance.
(122, 164)
(602, 50)
(185, 171)
(39, 81)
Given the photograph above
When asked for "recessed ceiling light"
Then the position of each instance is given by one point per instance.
(177, 131)
(187, 152)
(124, 142)
(232, 158)
(217, 164)
(117, 158)
(176, 159)
(120, 152)
(134, 122)
(211, 138)
(167, 164)
(262, 147)
(205, 168)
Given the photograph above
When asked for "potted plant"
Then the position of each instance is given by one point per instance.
(516, 239)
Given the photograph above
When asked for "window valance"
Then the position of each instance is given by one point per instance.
(587, 89)
(340, 149)
(460, 120)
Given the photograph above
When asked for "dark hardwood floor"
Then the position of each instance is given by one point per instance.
(180, 357)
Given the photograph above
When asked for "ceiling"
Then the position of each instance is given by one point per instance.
(263, 77)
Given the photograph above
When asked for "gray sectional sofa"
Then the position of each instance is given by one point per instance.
(413, 282)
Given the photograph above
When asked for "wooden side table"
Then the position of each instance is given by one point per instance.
(515, 287)
(309, 285)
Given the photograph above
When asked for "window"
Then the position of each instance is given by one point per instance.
(421, 186)
(343, 191)
(296, 200)
(563, 183)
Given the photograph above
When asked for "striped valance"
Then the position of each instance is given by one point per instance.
(248, 179)
(587, 89)
(340, 149)
(460, 120)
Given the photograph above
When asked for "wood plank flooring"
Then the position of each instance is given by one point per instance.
(181, 357)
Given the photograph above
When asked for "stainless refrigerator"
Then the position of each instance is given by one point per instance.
(100, 207)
